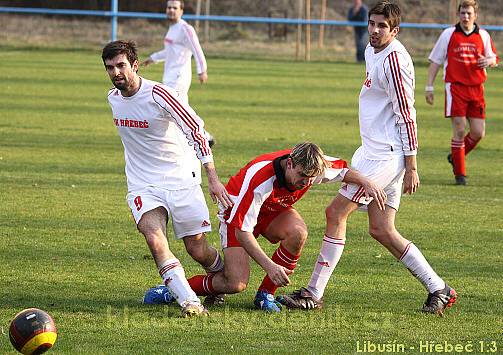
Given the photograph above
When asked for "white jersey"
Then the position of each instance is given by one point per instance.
(387, 113)
(162, 138)
(180, 44)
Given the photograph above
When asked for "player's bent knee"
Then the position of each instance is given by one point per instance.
(297, 235)
(333, 215)
(377, 233)
(235, 286)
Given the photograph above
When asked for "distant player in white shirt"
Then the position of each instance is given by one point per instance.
(180, 44)
(388, 157)
(164, 141)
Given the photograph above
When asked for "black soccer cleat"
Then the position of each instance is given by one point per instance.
(300, 299)
(439, 300)
(460, 180)
(214, 300)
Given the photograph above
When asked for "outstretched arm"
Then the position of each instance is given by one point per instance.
(277, 273)
(371, 188)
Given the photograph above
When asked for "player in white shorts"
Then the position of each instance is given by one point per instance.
(387, 156)
(164, 146)
(388, 174)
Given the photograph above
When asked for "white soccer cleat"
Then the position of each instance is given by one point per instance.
(193, 309)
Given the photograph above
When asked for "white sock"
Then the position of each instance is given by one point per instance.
(414, 260)
(218, 264)
(330, 254)
(173, 276)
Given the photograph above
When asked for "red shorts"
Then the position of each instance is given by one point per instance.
(228, 232)
(464, 101)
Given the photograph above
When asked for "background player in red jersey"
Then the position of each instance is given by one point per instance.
(466, 50)
(263, 193)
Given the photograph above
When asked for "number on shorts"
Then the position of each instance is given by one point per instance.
(138, 203)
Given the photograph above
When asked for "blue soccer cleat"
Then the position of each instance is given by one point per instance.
(265, 301)
(158, 295)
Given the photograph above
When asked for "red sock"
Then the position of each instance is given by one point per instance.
(470, 143)
(281, 257)
(458, 157)
(202, 284)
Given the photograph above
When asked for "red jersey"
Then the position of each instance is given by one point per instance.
(459, 53)
(261, 187)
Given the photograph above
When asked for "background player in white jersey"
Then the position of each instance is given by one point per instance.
(388, 157)
(263, 193)
(465, 50)
(180, 43)
(162, 136)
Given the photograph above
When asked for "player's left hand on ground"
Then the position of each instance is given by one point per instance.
(377, 193)
(410, 182)
(220, 194)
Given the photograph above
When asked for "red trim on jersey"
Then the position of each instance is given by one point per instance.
(258, 178)
(191, 33)
(402, 99)
(185, 116)
(337, 164)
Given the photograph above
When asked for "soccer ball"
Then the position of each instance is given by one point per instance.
(32, 331)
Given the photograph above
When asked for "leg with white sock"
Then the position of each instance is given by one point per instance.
(382, 228)
(153, 226)
(332, 246)
(198, 248)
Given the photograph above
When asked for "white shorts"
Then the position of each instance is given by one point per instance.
(187, 208)
(388, 174)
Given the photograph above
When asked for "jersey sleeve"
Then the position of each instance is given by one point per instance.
(192, 42)
(336, 170)
(257, 186)
(489, 48)
(438, 54)
(399, 84)
(186, 119)
(159, 56)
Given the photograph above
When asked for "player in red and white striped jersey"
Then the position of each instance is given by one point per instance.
(263, 193)
(388, 157)
(162, 136)
(465, 50)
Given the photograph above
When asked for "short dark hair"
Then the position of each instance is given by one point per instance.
(391, 12)
(182, 5)
(115, 48)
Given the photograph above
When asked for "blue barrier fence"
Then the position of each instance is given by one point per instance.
(114, 14)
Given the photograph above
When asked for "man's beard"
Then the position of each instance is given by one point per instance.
(123, 85)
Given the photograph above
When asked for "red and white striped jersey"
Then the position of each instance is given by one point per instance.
(261, 187)
(386, 111)
(458, 52)
(180, 44)
(162, 137)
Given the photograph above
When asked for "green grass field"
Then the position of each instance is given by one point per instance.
(69, 246)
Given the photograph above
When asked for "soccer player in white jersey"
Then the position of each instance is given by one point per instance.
(164, 141)
(388, 157)
(465, 50)
(180, 43)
